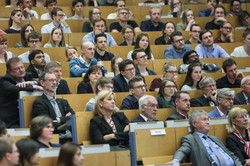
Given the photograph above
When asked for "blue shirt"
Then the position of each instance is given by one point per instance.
(149, 26)
(226, 157)
(91, 37)
(172, 53)
(205, 13)
(216, 52)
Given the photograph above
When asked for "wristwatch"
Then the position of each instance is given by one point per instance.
(32, 15)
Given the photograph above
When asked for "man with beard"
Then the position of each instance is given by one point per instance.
(224, 98)
(182, 102)
(178, 48)
(37, 63)
(226, 35)
(207, 48)
(101, 45)
(11, 84)
(195, 30)
(232, 79)
(154, 24)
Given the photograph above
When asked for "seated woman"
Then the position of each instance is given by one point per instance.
(4, 54)
(70, 155)
(71, 53)
(3, 130)
(89, 80)
(128, 36)
(166, 93)
(94, 12)
(244, 50)
(11, 3)
(28, 152)
(56, 39)
(193, 77)
(175, 9)
(115, 65)
(142, 41)
(15, 21)
(169, 71)
(186, 21)
(238, 139)
(25, 31)
(41, 131)
(167, 30)
(109, 126)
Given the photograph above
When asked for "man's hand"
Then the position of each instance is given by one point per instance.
(62, 21)
(219, 20)
(212, 94)
(68, 114)
(100, 63)
(39, 88)
(239, 75)
(23, 84)
(77, 67)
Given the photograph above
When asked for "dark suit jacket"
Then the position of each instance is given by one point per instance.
(193, 149)
(63, 88)
(120, 84)
(239, 99)
(199, 102)
(175, 116)
(139, 119)
(234, 145)
(9, 93)
(99, 127)
(42, 106)
(33, 71)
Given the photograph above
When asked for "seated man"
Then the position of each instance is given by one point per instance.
(201, 148)
(56, 68)
(101, 45)
(154, 24)
(80, 65)
(148, 109)
(57, 109)
(9, 155)
(50, 5)
(208, 88)
(232, 78)
(194, 33)
(207, 48)
(210, 8)
(226, 34)
(141, 59)
(119, 4)
(244, 18)
(26, 9)
(224, 98)
(103, 83)
(243, 97)
(34, 42)
(178, 48)
(127, 71)
(11, 84)
(182, 102)
(138, 89)
(192, 57)
(244, 50)
(99, 26)
(219, 18)
(37, 63)
(58, 21)
(123, 16)
(77, 7)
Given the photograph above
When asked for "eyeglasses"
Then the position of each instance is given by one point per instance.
(124, 13)
(171, 72)
(34, 41)
(129, 70)
(109, 87)
(52, 80)
(97, 13)
(196, 31)
(152, 105)
(178, 41)
(170, 86)
(228, 28)
(228, 99)
(143, 57)
(141, 87)
(61, 15)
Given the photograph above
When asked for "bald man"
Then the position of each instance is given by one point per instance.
(81, 65)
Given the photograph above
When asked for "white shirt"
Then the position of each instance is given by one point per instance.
(46, 16)
(48, 28)
(239, 52)
(25, 57)
(28, 16)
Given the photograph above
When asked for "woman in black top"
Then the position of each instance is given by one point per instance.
(128, 36)
(167, 30)
(15, 21)
(94, 12)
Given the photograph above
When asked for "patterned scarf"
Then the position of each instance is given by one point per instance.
(112, 124)
(246, 143)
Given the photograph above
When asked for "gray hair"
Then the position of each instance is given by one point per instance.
(144, 100)
(245, 79)
(206, 80)
(225, 92)
(51, 64)
(43, 75)
(195, 116)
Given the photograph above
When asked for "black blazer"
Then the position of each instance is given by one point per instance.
(120, 84)
(175, 116)
(99, 127)
(42, 106)
(199, 102)
(239, 99)
(9, 93)
(33, 71)
(84, 88)
(234, 145)
(63, 88)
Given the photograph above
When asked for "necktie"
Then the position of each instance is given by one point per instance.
(56, 108)
(216, 152)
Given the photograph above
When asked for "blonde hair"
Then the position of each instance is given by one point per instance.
(100, 97)
(233, 113)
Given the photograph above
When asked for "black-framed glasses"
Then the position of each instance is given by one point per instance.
(228, 28)
(131, 69)
(178, 41)
(143, 57)
(141, 86)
